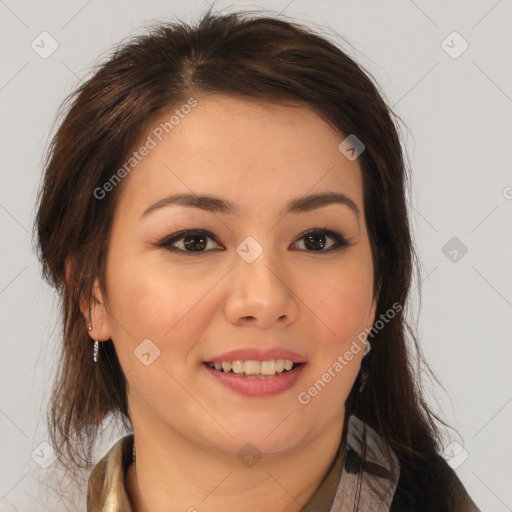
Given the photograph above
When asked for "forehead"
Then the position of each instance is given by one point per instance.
(252, 153)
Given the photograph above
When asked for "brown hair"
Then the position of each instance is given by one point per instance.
(257, 57)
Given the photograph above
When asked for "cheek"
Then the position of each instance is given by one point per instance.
(344, 306)
(151, 301)
(344, 300)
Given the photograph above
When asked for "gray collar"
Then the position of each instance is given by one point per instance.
(371, 483)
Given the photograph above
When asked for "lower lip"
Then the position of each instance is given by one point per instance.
(258, 387)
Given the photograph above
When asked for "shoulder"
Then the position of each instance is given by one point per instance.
(106, 486)
(430, 486)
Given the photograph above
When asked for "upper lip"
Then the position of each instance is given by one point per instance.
(255, 354)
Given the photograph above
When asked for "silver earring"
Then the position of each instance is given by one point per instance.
(364, 373)
(364, 378)
(95, 354)
(367, 347)
(96, 346)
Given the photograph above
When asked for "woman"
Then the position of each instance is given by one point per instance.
(224, 214)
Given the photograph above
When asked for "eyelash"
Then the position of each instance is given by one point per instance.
(166, 242)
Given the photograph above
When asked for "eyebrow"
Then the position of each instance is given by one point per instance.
(218, 205)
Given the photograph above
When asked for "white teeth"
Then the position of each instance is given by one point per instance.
(237, 366)
(279, 365)
(252, 367)
(268, 367)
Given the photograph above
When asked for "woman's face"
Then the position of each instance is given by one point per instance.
(250, 280)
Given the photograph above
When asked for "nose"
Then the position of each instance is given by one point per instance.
(262, 294)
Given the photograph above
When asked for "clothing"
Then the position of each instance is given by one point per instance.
(385, 486)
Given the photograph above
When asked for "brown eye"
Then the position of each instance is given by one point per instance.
(191, 241)
(196, 242)
(317, 241)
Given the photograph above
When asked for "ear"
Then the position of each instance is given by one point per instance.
(99, 318)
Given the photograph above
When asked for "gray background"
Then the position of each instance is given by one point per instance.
(458, 111)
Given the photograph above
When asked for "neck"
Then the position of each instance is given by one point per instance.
(183, 476)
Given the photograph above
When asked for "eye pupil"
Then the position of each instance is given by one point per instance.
(316, 245)
(196, 242)
(193, 244)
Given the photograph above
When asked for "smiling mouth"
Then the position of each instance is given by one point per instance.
(255, 369)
